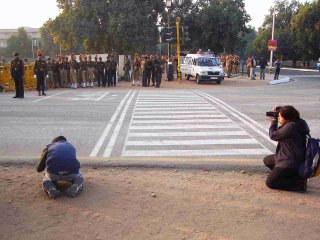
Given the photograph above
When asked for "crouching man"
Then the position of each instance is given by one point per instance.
(60, 164)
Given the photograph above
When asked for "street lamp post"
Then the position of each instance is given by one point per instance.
(168, 5)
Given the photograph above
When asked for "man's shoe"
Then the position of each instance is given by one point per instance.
(73, 190)
(303, 187)
(15, 97)
(53, 193)
(43, 94)
(39, 94)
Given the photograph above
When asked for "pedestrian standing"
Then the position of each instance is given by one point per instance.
(108, 74)
(40, 72)
(277, 66)
(17, 73)
(100, 71)
(63, 72)
(113, 71)
(50, 72)
(74, 67)
(148, 70)
(263, 64)
(90, 72)
(253, 68)
(83, 70)
(157, 64)
(136, 71)
(248, 65)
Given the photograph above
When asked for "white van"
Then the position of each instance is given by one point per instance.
(204, 67)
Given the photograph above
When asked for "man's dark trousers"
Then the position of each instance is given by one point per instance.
(282, 178)
(18, 82)
(40, 82)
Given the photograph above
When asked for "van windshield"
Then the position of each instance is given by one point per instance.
(207, 62)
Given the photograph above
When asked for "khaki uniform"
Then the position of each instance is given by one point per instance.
(90, 73)
(74, 67)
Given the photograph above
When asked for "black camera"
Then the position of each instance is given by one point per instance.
(272, 114)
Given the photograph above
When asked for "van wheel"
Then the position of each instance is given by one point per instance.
(219, 82)
(187, 77)
(197, 79)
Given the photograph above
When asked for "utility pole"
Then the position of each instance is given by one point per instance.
(271, 52)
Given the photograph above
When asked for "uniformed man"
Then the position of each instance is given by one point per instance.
(100, 70)
(90, 72)
(40, 71)
(148, 70)
(74, 67)
(63, 72)
(83, 70)
(17, 73)
(107, 66)
(113, 69)
(56, 72)
(157, 66)
(50, 72)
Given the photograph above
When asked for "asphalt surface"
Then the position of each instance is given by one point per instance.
(171, 125)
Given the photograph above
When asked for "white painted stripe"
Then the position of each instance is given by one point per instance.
(164, 99)
(183, 121)
(50, 96)
(112, 141)
(240, 116)
(169, 102)
(194, 116)
(106, 131)
(186, 127)
(187, 134)
(156, 108)
(175, 153)
(192, 142)
(175, 105)
(101, 97)
(155, 112)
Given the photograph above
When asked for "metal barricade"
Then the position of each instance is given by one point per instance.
(30, 83)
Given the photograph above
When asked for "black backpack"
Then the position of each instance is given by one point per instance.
(310, 168)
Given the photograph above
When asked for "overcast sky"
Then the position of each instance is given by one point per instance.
(33, 13)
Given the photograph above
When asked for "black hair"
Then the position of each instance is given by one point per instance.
(58, 139)
(289, 113)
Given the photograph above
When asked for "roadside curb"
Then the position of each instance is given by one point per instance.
(228, 164)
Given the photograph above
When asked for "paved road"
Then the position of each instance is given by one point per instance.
(222, 122)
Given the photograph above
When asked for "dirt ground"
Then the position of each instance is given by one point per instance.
(140, 203)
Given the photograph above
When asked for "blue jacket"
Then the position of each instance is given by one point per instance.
(59, 157)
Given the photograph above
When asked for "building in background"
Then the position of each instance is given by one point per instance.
(5, 34)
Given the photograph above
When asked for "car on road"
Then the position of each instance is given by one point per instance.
(203, 67)
(318, 65)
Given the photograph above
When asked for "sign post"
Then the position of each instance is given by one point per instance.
(178, 47)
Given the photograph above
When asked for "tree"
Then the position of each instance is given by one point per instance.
(306, 25)
(102, 25)
(218, 25)
(48, 46)
(21, 43)
(287, 50)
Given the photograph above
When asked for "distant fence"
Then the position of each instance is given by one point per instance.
(300, 64)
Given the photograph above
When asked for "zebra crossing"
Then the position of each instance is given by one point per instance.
(183, 124)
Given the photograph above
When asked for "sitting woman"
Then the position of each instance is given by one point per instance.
(290, 131)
